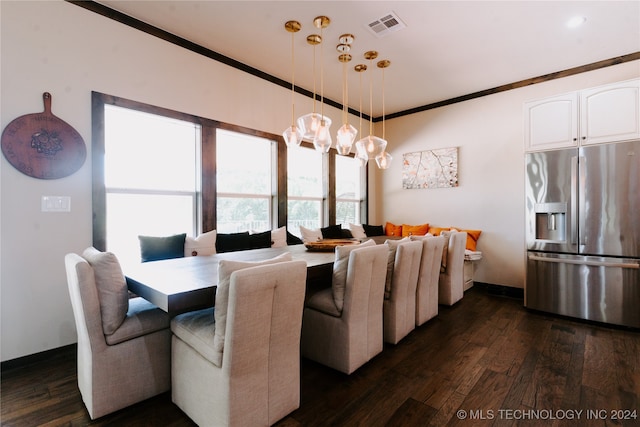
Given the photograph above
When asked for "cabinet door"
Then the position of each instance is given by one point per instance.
(610, 113)
(551, 123)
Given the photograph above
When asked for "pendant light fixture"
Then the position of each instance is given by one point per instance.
(383, 159)
(292, 135)
(347, 133)
(322, 139)
(360, 68)
(370, 146)
(310, 123)
(315, 127)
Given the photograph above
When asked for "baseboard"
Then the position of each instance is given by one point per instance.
(501, 290)
(20, 362)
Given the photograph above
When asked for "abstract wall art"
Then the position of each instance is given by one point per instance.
(430, 169)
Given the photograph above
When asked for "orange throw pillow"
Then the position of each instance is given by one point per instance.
(392, 229)
(414, 230)
(472, 238)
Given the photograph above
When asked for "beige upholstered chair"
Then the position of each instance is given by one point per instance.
(124, 346)
(451, 282)
(342, 326)
(241, 365)
(400, 290)
(427, 289)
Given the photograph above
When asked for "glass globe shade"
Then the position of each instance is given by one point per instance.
(384, 160)
(322, 139)
(370, 146)
(344, 139)
(292, 136)
(309, 124)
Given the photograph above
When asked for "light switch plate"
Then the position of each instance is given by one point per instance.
(56, 204)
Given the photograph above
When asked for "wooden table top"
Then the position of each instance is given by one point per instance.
(183, 284)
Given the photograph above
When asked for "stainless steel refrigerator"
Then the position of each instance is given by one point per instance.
(583, 232)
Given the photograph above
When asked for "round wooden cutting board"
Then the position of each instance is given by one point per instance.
(42, 145)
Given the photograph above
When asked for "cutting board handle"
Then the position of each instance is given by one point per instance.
(46, 98)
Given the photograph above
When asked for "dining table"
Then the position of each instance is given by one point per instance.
(185, 284)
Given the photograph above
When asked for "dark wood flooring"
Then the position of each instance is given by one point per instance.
(486, 361)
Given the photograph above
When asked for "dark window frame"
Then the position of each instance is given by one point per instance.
(208, 166)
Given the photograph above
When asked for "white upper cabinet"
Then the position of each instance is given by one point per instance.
(608, 113)
(551, 122)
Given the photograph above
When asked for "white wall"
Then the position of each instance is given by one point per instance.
(57, 47)
(490, 195)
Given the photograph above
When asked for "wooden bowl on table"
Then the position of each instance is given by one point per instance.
(329, 245)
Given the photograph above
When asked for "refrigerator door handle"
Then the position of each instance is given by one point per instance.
(574, 200)
(632, 265)
(582, 200)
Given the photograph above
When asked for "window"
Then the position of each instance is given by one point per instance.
(311, 189)
(151, 178)
(160, 172)
(349, 191)
(306, 189)
(245, 182)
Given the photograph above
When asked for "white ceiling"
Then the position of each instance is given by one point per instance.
(448, 48)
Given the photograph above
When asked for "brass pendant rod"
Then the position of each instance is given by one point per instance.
(371, 55)
(293, 27)
(360, 104)
(383, 64)
(321, 78)
(321, 22)
(344, 93)
(314, 40)
(383, 124)
(344, 58)
(370, 100)
(360, 68)
(293, 81)
(344, 47)
(314, 78)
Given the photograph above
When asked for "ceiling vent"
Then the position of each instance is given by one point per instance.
(389, 23)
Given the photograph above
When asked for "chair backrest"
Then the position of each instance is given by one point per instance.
(364, 296)
(451, 282)
(427, 289)
(455, 256)
(86, 312)
(262, 339)
(400, 307)
(406, 269)
(84, 301)
(132, 368)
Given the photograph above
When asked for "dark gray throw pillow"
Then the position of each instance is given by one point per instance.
(373, 230)
(156, 248)
(260, 240)
(292, 239)
(332, 232)
(230, 242)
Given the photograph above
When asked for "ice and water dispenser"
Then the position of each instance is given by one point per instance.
(551, 221)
